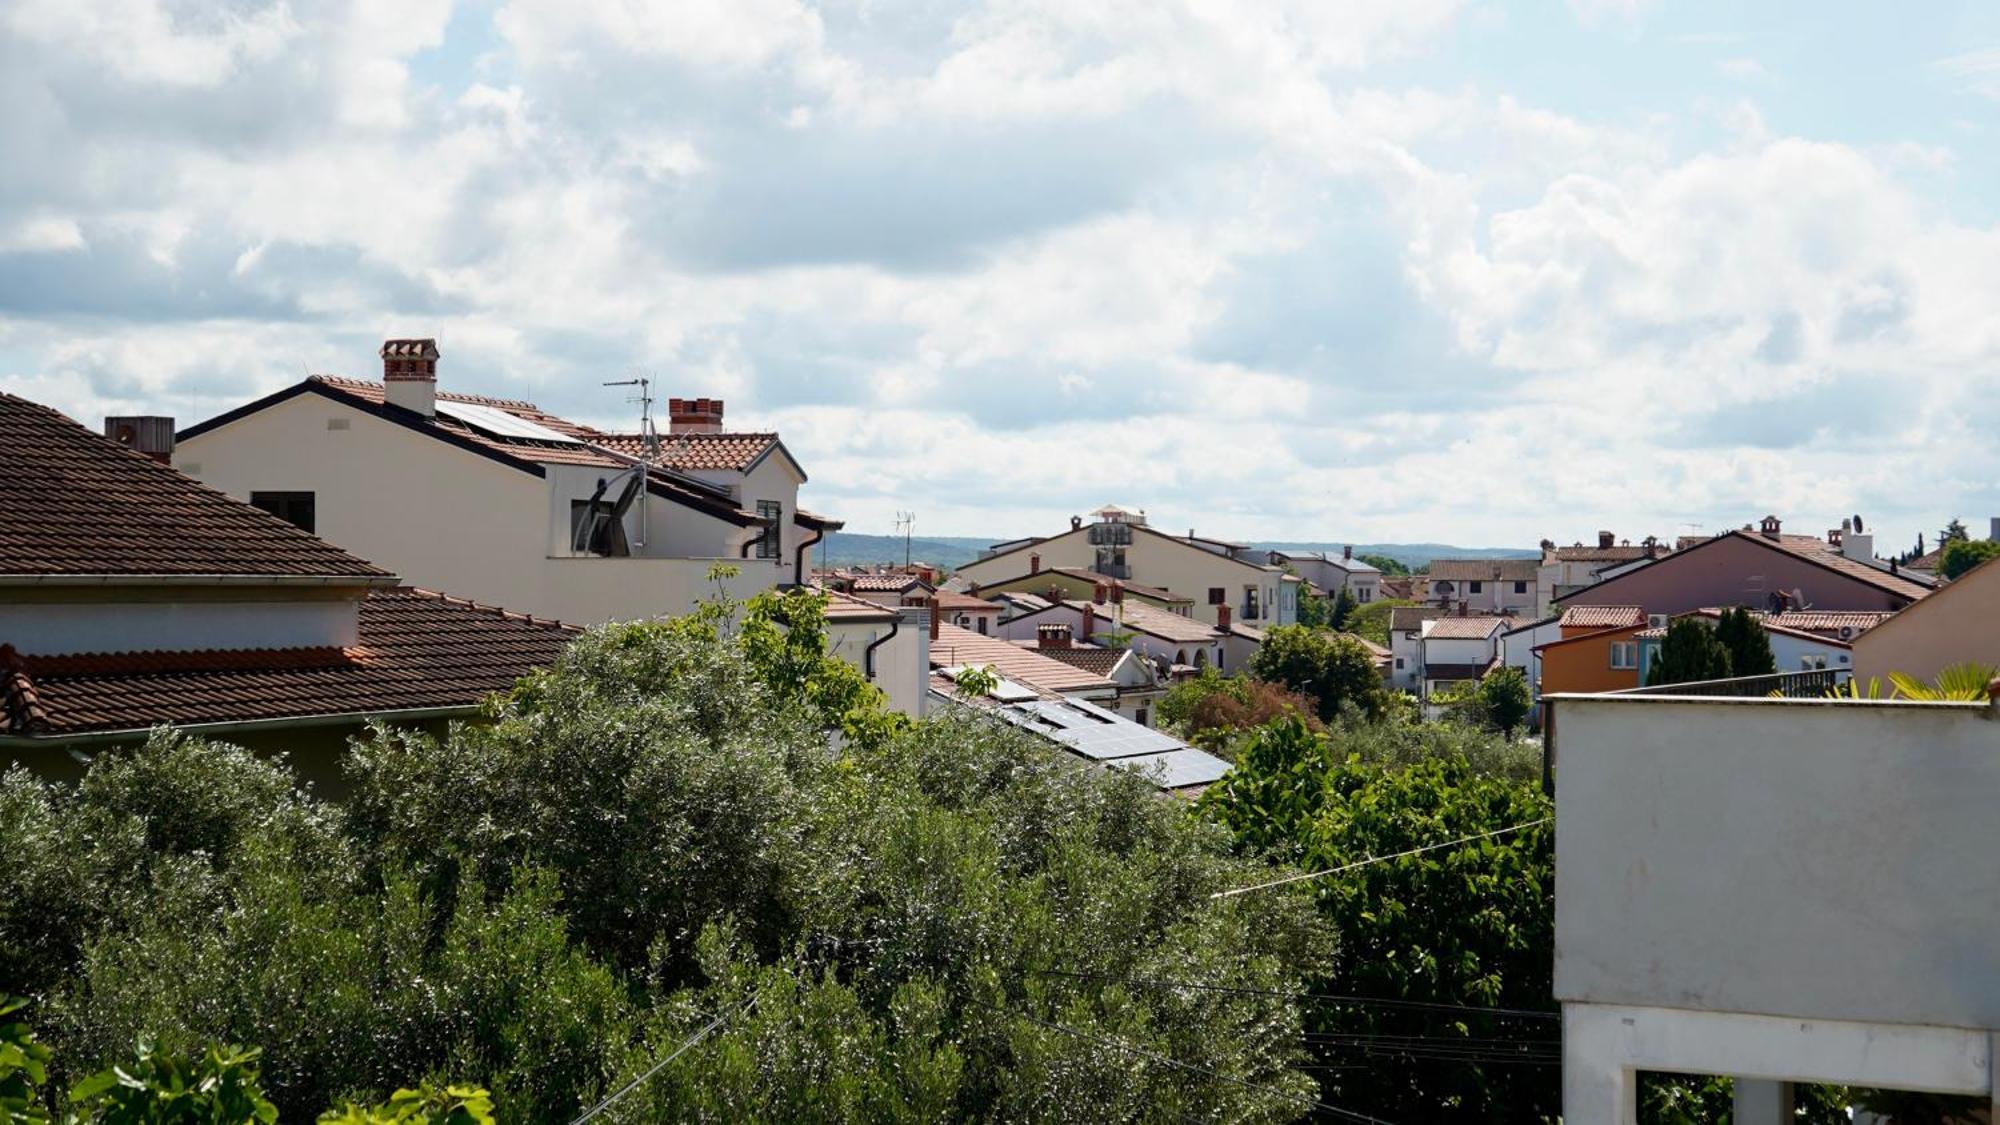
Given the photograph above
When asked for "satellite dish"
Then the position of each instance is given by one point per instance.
(1857, 523)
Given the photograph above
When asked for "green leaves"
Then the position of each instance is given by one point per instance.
(1331, 670)
(425, 1105)
(154, 1087)
(23, 1067)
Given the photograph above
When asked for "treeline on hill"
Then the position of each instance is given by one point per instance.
(652, 865)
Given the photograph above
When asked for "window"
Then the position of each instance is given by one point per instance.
(1399, 664)
(1813, 662)
(1363, 593)
(1250, 603)
(594, 530)
(1217, 595)
(981, 623)
(767, 544)
(1141, 718)
(1475, 587)
(1624, 654)
(295, 508)
(1520, 587)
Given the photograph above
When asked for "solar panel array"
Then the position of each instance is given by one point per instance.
(1107, 737)
(499, 423)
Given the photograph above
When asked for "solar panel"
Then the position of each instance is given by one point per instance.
(1177, 769)
(500, 423)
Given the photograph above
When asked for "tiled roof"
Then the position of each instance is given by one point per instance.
(697, 452)
(1084, 574)
(1375, 650)
(1816, 621)
(965, 603)
(1582, 553)
(1466, 628)
(580, 449)
(1408, 618)
(1096, 661)
(1603, 617)
(1142, 618)
(881, 583)
(955, 646)
(1484, 570)
(846, 607)
(1247, 632)
(416, 650)
(73, 502)
(1817, 550)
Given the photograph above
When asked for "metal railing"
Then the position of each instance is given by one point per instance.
(1814, 684)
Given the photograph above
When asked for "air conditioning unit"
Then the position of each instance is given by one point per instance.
(1656, 621)
(1847, 632)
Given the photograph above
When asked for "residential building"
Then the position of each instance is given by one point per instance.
(1119, 543)
(1518, 645)
(1565, 570)
(1065, 704)
(1058, 583)
(1168, 639)
(1959, 623)
(1140, 686)
(1486, 586)
(1457, 650)
(503, 502)
(891, 588)
(1792, 650)
(1406, 646)
(889, 644)
(1240, 643)
(1597, 650)
(1763, 569)
(968, 612)
(1332, 574)
(1834, 624)
(135, 597)
(1776, 890)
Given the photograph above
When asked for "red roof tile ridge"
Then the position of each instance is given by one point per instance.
(153, 661)
(502, 611)
(375, 386)
(22, 705)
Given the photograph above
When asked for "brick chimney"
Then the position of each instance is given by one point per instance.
(150, 434)
(409, 375)
(1052, 636)
(1770, 526)
(1034, 564)
(694, 415)
(1604, 540)
(1089, 624)
(1222, 618)
(1347, 552)
(1100, 594)
(1118, 593)
(937, 618)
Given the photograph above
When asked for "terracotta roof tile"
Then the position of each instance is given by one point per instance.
(1603, 617)
(847, 607)
(965, 603)
(73, 502)
(1409, 618)
(1096, 661)
(1467, 628)
(416, 650)
(1142, 618)
(1484, 570)
(698, 452)
(1814, 548)
(1831, 621)
(955, 646)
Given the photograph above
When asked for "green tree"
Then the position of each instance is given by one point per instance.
(1690, 653)
(1506, 698)
(1315, 613)
(1371, 622)
(1331, 670)
(1961, 555)
(1953, 531)
(1212, 710)
(24, 1066)
(1470, 925)
(1343, 608)
(1748, 644)
(1385, 564)
(218, 1086)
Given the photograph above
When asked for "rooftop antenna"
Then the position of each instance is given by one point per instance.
(904, 522)
(648, 436)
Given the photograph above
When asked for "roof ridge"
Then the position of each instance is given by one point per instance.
(503, 611)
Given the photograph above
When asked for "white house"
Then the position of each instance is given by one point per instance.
(1518, 645)
(891, 646)
(1333, 574)
(1792, 650)
(500, 501)
(1459, 649)
(1489, 586)
(1406, 646)
(1167, 639)
(1565, 570)
(1218, 576)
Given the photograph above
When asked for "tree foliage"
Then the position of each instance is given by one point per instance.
(1506, 699)
(1331, 670)
(1371, 622)
(1748, 644)
(1344, 606)
(1961, 555)
(1212, 710)
(1385, 564)
(1690, 653)
(1470, 926)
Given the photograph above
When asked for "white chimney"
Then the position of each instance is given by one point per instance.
(409, 375)
(1858, 546)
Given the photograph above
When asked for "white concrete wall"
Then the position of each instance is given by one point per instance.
(589, 590)
(1789, 653)
(1802, 859)
(50, 629)
(902, 665)
(1157, 560)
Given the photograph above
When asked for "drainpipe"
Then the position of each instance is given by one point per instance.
(799, 556)
(868, 654)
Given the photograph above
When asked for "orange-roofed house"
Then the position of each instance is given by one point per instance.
(1598, 650)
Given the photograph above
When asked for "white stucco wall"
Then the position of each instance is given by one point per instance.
(1803, 859)
(902, 665)
(1158, 560)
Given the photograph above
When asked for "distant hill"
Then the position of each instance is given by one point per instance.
(848, 548)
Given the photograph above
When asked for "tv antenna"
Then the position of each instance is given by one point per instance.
(648, 436)
(905, 521)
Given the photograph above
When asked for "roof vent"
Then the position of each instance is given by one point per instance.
(1770, 526)
(409, 375)
(150, 434)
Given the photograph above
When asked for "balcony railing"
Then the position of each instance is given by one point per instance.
(1814, 684)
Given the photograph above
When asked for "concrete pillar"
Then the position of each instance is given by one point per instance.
(1599, 1088)
(1761, 1101)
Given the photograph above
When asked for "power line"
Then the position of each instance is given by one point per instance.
(1374, 1001)
(691, 1040)
(1380, 859)
(1133, 1048)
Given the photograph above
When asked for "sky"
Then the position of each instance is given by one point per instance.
(1374, 270)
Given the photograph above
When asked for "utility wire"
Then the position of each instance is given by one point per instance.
(691, 1040)
(1133, 1048)
(1373, 1001)
(1379, 859)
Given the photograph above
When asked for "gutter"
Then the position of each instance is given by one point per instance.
(799, 556)
(377, 581)
(868, 654)
(251, 726)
